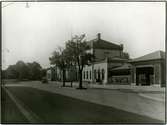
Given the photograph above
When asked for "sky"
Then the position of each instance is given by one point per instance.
(33, 33)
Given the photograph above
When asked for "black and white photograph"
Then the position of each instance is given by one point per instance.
(83, 62)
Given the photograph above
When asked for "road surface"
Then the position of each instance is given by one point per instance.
(56, 108)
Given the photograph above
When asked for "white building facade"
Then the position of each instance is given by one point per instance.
(96, 72)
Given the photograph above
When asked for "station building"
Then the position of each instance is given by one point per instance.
(113, 66)
(108, 56)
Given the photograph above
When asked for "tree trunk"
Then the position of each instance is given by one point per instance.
(64, 78)
(80, 79)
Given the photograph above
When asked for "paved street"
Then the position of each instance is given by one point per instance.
(123, 99)
(11, 113)
(56, 108)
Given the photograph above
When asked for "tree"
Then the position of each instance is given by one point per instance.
(22, 70)
(12, 72)
(34, 71)
(3, 74)
(43, 73)
(60, 59)
(77, 51)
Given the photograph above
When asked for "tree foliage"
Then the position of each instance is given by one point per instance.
(60, 59)
(74, 54)
(76, 49)
(11, 72)
(35, 70)
(23, 71)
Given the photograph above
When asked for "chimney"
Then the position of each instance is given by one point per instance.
(122, 46)
(98, 36)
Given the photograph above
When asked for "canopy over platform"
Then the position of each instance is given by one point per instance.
(152, 56)
(123, 67)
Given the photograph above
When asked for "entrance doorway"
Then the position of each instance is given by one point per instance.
(144, 75)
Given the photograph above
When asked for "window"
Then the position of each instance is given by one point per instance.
(86, 74)
(98, 75)
(102, 74)
(90, 74)
(49, 76)
(76, 75)
(95, 74)
(106, 53)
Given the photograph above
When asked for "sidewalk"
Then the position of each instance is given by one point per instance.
(151, 92)
(108, 86)
(155, 93)
(128, 101)
(131, 87)
(154, 96)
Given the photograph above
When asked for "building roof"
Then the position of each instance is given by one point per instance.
(112, 59)
(152, 56)
(99, 43)
(123, 67)
(117, 59)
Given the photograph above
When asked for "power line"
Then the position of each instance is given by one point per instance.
(7, 4)
(27, 4)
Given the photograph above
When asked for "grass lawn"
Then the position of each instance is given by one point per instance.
(10, 112)
(55, 108)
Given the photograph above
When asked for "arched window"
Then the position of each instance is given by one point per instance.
(90, 75)
(103, 74)
(86, 74)
(95, 74)
(98, 75)
(49, 76)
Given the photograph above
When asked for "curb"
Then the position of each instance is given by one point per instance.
(152, 98)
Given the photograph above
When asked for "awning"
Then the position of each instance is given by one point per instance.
(123, 67)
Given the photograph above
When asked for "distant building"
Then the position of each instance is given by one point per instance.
(113, 66)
